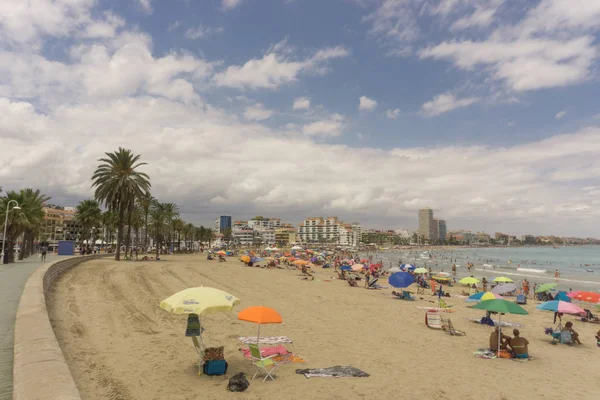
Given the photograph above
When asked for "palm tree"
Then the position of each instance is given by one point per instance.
(146, 202)
(178, 225)
(33, 204)
(109, 223)
(161, 215)
(118, 184)
(88, 216)
(189, 232)
(24, 221)
(171, 212)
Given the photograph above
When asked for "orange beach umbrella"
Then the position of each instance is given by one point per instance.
(300, 262)
(260, 315)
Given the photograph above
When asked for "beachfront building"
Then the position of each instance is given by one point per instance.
(285, 236)
(528, 239)
(329, 230)
(462, 237)
(245, 236)
(223, 224)
(262, 222)
(59, 224)
(483, 238)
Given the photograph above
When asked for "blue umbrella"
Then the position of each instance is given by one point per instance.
(407, 267)
(345, 268)
(562, 296)
(401, 280)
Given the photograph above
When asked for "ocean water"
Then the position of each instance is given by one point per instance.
(579, 266)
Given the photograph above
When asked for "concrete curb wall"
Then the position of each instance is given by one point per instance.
(40, 370)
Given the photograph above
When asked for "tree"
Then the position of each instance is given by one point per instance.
(146, 202)
(117, 182)
(24, 221)
(178, 226)
(88, 215)
(158, 224)
(189, 231)
(227, 235)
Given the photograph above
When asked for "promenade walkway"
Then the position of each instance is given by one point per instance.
(12, 282)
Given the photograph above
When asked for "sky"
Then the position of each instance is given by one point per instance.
(486, 111)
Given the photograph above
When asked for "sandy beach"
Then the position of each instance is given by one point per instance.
(120, 345)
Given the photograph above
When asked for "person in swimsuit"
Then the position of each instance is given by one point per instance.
(519, 345)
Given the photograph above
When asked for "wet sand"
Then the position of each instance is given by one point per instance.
(120, 345)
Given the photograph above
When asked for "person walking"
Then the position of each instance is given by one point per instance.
(44, 251)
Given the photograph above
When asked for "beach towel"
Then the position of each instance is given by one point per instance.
(265, 340)
(333, 372)
(504, 323)
(436, 309)
(279, 354)
(485, 353)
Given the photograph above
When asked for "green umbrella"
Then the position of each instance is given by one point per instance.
(501, 307)
(545, 287)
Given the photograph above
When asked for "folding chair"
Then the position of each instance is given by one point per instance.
(442, 304)
(262, 364)
(420, 290)
(199, 347)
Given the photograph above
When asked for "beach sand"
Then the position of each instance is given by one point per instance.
(120, 345)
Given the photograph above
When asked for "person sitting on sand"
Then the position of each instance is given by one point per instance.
(574, 335)
(504, 339)
(519, 345)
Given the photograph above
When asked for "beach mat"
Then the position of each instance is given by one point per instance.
(504, 323)
(436, 309)
(333, 372)
(488, 354)
(265, 339)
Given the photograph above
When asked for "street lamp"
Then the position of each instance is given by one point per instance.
(16, 207)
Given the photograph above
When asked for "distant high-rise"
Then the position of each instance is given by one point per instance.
(223, 223)
(426, 223)
(441, 225)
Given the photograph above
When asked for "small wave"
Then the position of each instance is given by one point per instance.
(533, 270)
(537, 276)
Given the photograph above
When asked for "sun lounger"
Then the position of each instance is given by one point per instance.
(521, 299)
(442, 304)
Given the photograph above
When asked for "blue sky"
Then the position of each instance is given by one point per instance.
(486, 110)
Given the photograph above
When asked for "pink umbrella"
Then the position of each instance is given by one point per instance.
(573, 293)
(357, 267)
(561, 307)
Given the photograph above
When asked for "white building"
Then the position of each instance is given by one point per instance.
(244, 236)
(265, 223)
(329, 230)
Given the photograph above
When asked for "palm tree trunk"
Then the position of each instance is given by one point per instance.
(157, 247)
(120, 227)
(146, 232)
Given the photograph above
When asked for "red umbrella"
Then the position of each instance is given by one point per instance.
(590, 297)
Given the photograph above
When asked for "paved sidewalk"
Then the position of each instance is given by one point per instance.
(12, 282)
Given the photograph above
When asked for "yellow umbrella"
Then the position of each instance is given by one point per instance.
(199, 300)
(300, 262)
(469, 280)
(503, 279)
(245, 259)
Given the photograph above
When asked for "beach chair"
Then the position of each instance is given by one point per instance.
(199, 347)
(448, 327)
(420, 289)
(372, 283)
(442, 304)
(433, 320)
(262, 364)
(521, 299)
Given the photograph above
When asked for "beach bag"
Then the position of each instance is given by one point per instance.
(238, 383)
(215, 367)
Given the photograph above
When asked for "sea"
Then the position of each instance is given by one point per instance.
(578, 266)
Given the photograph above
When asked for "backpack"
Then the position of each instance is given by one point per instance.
(238, 383)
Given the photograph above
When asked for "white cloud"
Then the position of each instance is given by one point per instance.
(331, 126)
(366, 104)
(200, 32)
(560, 114)
(231, 4)
(480, 18)
(174, 25)
(257, 112)
(393, 114)
(276, 68)
(445, 102)
(146, 5)
(301, 103)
